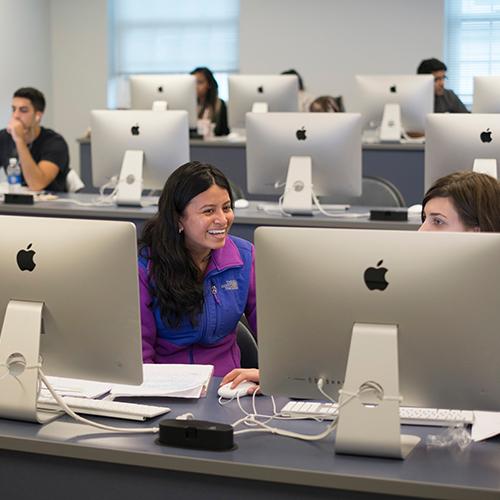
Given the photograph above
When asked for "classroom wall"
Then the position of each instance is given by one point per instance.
(25, 57)
(63, 47)
(79, 46)
(330, 41)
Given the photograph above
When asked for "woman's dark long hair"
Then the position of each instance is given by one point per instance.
(210, 101)
(176, 281)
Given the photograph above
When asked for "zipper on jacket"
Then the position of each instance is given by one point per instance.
(213, 289)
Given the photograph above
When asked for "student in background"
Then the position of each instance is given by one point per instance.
(42, 153)
(445, 100)
(305, 98)
(195, 280)
(462, 201)
(324, 104)
(210, 106)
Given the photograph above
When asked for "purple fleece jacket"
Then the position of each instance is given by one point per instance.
(229, 291)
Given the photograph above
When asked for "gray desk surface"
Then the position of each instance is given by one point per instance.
(246, 220)
(87, 460)
(241, 142)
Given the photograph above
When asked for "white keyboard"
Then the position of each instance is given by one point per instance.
(409, 415)
(104, 408)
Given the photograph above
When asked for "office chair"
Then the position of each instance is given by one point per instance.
(378, 192)
(73, 182)
(248, 347)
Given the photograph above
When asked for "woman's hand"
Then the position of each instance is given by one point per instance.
(238, 375)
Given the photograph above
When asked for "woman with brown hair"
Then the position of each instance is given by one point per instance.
(462, 201)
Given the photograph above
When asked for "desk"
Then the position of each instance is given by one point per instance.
(246, 220)
(402, 164)
(80, 462)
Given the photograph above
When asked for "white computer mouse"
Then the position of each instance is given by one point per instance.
(241, 203)
(415, 210)
(241, 389)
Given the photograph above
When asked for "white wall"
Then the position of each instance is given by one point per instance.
(61, 47)
(329, 41)
(25, 58)
(79, 62)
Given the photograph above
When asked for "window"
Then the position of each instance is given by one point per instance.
(472, 43)
(158, 36)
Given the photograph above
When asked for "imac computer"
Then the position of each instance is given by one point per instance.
(160, 92)
(457, 142)
(486, 97)
(304, 154)
(397, 104)
(372, 321)
(143, 147)
(261, 93)
(69, 300)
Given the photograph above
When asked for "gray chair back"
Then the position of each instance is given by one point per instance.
(248, 347)
(379, 192)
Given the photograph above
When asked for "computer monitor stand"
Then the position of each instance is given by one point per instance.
(390, 128)
(130, 182)
(159, 106)
(260, 107)
(19, 362)
(297, 199)
(486, 166)
(368, 423)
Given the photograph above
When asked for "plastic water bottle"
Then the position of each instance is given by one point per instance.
(14, 175)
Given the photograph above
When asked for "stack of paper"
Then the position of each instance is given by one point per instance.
(76, 388)
(168, 380)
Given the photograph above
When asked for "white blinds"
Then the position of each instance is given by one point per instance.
(173, 36)
(472, 43)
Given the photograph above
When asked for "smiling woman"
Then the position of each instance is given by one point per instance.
(196, 281)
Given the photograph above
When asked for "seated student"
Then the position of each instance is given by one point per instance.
(210, 106)
(324, 104)
(445, 100)
(305, 98)
(42, 153)
(195, 280)
(462, 201)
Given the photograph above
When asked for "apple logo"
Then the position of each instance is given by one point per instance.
(393, 89)
(260, 89)
(375, 277)
(301, 134)
(160, 89)
(135, 129)
(486, 136)
(25, 259)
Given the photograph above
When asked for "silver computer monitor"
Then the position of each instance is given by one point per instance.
(332, 141)
(70, 287)
(440, 290)
(278, 92)
(486, 97)
(178, 91)
(163, 137)
(413, 93)
(456, 142)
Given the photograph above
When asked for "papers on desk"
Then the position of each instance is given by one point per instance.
(76, 388)
(168, 380)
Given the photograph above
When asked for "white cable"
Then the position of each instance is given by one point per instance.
(321, 383)
(78, 418)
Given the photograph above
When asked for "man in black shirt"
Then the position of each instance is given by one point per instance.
(445, 100)
(42, 153)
